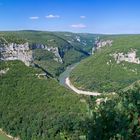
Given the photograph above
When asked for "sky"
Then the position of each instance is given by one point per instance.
(89, 16)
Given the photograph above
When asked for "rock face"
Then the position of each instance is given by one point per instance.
(103, 43)
(56, 53)
(4, 71)
(78, 38)
(54, 50)
(38, 46)
(23, 52)
(13, 51)
(129, 57)
(100, 44)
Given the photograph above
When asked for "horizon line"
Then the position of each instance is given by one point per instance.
(69, 32)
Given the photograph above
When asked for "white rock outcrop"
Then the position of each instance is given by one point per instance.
(55, 51)
(22, 52)
(100, 44)
(4, 71)
(78, 38)
(130, 57)
(13, 51)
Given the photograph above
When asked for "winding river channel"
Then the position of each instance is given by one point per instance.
(63, 76)
(65, 81)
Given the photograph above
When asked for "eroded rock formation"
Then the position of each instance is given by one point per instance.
(23, 52)
(100, 44)
(13, 51)
(130, 57)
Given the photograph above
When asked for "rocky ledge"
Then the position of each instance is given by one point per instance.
(130, 57)
(99, 43)
(23, 52)
(13, 51)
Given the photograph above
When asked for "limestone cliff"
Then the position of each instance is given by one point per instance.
(130, 57)
(13, 51)
(54, 50)
(23, 52)
(56, 53)
(99, 43)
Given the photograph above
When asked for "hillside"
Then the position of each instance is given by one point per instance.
(82, 41)
(52, 51)
(116, 117)
(114, 65)
(33, 105)
(35, 108)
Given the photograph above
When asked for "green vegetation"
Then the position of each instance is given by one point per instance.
(81, 41)
(11, 37)
(100, 72)
(38, 109)
(45, 59)
(34, 107)
(69, 48)
(3, 136)
(117, 118)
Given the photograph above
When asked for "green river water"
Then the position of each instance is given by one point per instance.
(66, 74)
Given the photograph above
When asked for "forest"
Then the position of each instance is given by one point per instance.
(40, 109)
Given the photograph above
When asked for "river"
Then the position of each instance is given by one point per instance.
(63, 76)
(65, 81)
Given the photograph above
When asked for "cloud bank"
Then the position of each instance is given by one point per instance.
(78, 26)
(52, 16)
(34, 17)
(82, 17)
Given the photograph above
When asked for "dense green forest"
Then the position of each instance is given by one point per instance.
(35, 108)
(102, 73)
(117, 117)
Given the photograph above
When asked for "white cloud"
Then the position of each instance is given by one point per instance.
(82, 17)
(52, 16)
(78, 26)
(34, 18)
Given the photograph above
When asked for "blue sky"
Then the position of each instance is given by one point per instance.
(93, 16)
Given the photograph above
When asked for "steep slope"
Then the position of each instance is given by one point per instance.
(36, 108)
(83, 42)
(114, 66)
(51, 50)
(33, 107)
(116, 116)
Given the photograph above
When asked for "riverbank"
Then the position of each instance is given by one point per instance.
(65, 74)
(65, 81)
